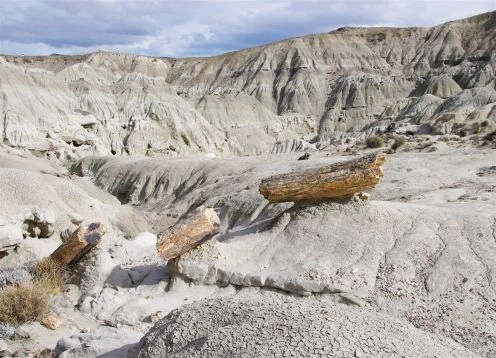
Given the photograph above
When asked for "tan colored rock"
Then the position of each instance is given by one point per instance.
(332, 181)
(78, 244)
(155, 317)
(51, 321)
(188, 234)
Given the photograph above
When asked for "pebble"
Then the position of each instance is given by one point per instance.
(51, 321)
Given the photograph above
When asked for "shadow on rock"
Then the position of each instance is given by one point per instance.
(137, 275)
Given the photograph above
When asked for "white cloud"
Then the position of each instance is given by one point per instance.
(201, 27)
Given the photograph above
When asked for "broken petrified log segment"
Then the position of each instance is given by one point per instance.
(188, 234)
(332, 181)
(78, 244)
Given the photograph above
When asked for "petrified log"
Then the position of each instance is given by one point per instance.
(78, 244)
(332, 181)
(187, 234)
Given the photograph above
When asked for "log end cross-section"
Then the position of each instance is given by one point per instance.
(78, 244)
(336, 180)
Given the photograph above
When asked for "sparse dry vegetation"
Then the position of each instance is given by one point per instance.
(23, 303)
(51, 275)
(374, 142)
(29, 301)
(398, 142)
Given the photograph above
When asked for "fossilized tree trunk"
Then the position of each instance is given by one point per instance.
(188, 234)
(332, 181)
(78, 244)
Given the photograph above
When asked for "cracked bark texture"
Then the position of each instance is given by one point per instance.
(333, 181)
(188, 234)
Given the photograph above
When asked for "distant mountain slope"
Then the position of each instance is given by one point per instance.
(351, 77)
(421, 80)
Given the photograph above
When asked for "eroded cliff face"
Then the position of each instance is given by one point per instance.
(352, 79)
(437, 80)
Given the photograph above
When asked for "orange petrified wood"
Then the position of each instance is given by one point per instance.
(78, 244)
(332, 181)
(187, 234)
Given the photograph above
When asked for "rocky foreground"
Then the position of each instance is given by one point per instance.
(410, 269)
(158, 207)
(277, 326)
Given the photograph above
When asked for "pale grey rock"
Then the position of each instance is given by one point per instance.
(409, 246)
(17, 257)
(245, 102)
(4, 349)
(102, 342)
(442, 86)
(65, 234)
(10, 234)
(6, 331)
(13, 276)
(287, 326)
(422, 250)
(76, 219)
(38, 203)
(21, 333)
(295, 145)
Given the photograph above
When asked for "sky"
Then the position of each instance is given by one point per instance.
(183, 28)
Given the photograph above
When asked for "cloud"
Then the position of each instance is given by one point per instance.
(201, 27)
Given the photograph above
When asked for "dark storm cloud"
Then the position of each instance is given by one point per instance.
(201, 27)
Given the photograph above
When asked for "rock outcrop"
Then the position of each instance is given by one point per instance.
(422, 249)
(422, 252)
(284, 326)
(40, 201)
(244, 102)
